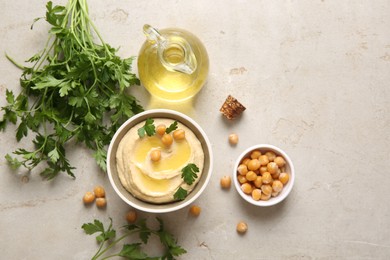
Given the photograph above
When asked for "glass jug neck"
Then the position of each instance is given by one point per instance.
(175, 55)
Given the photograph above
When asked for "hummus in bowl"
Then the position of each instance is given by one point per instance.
(159, 171)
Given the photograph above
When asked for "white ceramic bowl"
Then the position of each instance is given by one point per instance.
(289, 168)
(168, 207)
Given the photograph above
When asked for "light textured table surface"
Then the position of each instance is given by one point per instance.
(314, 76)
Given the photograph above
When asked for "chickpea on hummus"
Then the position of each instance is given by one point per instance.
(150, 167)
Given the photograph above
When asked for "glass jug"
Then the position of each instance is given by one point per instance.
(172, 64)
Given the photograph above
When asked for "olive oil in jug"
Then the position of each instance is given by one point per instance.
(172, 64)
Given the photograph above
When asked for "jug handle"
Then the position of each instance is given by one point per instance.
(188, 65)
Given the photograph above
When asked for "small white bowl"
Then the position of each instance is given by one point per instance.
(289, 169)
(167, 207)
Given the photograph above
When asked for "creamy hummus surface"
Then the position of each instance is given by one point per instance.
(157, 181)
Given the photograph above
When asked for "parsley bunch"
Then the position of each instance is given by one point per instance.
(134, 250)
(74, 89)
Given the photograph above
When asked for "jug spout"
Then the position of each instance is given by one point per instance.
(174, 53)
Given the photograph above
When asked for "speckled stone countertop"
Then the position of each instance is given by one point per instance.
(314, 77)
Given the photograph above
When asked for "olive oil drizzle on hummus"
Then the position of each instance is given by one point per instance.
(172, 157)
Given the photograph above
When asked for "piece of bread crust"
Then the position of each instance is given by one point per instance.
(231, 108)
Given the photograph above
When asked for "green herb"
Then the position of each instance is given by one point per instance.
(180, 194)
(98, 227)
(171, 128)
(149, 128)
(106, 238)
(188, 173)
(74, 89)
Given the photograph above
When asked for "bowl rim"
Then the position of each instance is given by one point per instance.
(185, 202)
(287, 188)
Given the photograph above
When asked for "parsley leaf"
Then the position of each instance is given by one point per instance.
(180, 194)
(21, 130)
(189, 173)
(144, 232)
(54, 155)
(149, 128)
(171, 128)
(132, 251)
(13, 162)
(98, 227)
(101, 156)
(10, 97)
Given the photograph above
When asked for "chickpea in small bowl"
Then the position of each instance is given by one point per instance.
(263, 175)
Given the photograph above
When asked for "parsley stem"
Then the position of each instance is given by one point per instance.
(69, 120)
(84, 8)
(97, 253)
(112, 244)
(110, 256)
(45, 54)
(14, 62)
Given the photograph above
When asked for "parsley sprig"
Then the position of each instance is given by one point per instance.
(74, 89)
(149, 128)
(180, 194)
(172, 127)
(189, 175)
(106, 238)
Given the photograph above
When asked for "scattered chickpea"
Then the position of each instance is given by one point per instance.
(242, 227)
(195, 210)
(255, 154)
(246, 188)
(101, 202)
(226, 182)
(284, 178)
(160, 129)
(131, 216)
(233, 139)
(155, 155)
(271, 156)
(251, 176)
(242, 169)
(256, 194)
(280, 161)
(99, 192)
(179, 134)
(253, 164)
(89, 197)
(167, 139)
